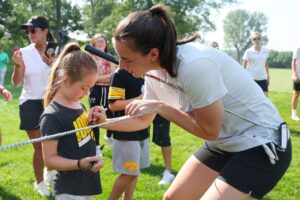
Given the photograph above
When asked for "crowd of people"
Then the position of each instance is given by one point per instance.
(208, 94)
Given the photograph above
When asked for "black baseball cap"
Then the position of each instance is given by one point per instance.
(36, 22)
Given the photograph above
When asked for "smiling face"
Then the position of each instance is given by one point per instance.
(100, 43)
(134, 62)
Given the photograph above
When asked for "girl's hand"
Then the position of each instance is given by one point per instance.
(95, 167)
(142, 107)
(97, 115)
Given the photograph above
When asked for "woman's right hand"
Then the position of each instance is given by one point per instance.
(295, 78)
(17, 59)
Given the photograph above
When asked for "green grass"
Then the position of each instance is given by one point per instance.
(280, 80)
(16, 175)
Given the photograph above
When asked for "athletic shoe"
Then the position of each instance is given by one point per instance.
(167, 178)
(109, 140)
(98, 151)
(42, 189)
(295, 117)
(49, 176)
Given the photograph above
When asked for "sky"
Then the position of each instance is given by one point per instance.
(283, 22)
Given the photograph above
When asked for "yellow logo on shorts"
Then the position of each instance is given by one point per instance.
(131, 166)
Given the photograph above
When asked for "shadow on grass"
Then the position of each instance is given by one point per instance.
(155, 170)
(6, 195)
(3, 164)
(295, 133)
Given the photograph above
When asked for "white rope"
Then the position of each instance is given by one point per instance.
(48, 137)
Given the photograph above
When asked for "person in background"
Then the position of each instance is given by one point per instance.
(255, 61)
(74, 155)
(130, 149)
(214, 44)
(296, 83)
(4, 60)
(31, 70)
(99, 92)
(161, 137)
(7, 97)
(209, 95)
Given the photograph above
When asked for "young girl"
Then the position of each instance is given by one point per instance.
(73, 74)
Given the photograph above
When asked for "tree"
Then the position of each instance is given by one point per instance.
(280, 59)
(189, 16)
(13, 13)
(238, 27)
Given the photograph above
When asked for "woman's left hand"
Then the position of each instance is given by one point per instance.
(47, 59)
(142, 107)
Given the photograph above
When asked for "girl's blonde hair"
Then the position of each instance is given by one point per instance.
(73, 63)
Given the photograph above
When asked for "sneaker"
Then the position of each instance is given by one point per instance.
(49, 176)
(109, 140)
(98, 151)
(42, 189)
(295, 117)
(167, 178)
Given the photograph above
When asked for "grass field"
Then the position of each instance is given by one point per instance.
(280, 80)
(16, 176)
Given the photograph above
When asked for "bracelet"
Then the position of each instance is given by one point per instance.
(78, 164)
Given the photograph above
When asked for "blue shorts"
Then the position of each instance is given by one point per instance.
(248, 171)
(161, 131)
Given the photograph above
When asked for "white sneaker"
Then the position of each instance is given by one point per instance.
(109, 140)
(49, 176)
(295, 117)
(167, 178)
(98, 151)
(42, 189)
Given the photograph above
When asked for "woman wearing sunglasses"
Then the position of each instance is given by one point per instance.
(31, 70)
(256, 63)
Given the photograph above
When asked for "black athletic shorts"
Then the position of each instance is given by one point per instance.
(248, 171)
(161, 131)
(30, 112)
(263, 84)
(296, 86)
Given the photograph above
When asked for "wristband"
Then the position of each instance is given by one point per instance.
(78, 164)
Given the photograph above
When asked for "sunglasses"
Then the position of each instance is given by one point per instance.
(32, 31)
(254, 39)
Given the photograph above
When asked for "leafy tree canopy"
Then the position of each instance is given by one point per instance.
(238, 28)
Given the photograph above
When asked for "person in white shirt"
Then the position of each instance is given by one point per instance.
(255, 61)
(296, 83)
(31, 70)
(208, 94)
